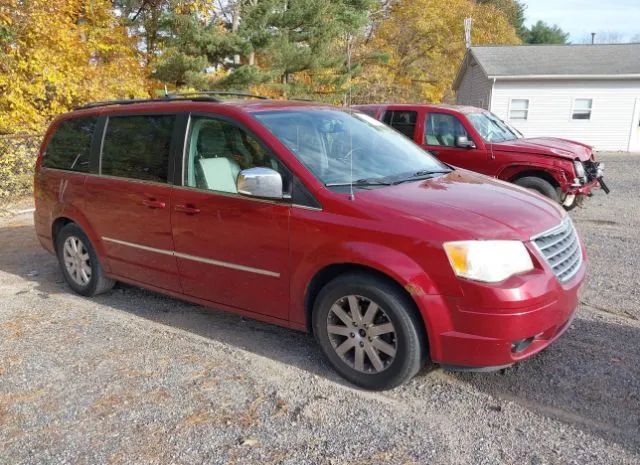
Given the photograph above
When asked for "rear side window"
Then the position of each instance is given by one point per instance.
(137, 147)
(402, 121)
(70, 145)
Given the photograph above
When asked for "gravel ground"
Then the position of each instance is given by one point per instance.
(133, 377)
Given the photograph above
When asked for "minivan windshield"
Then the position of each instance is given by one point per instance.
(491, 128)
(339, 147)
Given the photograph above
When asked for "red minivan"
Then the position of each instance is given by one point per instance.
(311, 217)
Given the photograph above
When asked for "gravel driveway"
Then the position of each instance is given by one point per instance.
(132, 377)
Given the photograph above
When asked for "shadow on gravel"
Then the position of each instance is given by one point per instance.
(590, 378)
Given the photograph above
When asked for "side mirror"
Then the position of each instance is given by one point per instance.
(464, 142)
(260, 182)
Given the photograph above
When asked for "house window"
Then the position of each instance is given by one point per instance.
(582, 108)
(519, 109)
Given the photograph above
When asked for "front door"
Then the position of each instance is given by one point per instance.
(231, 249)
(440, 132)
(129, 202)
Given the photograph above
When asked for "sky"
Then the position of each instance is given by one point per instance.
(581, 17)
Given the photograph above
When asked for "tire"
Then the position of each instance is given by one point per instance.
(539, 185)
(79, 262)
(407, 341)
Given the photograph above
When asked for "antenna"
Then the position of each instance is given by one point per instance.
(467, 32)
(351, 194)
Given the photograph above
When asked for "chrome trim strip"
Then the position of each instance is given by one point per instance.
(104, 133)
(306, 207)
(185, 256)
(561, 225)
(232, 266)
(187, 133)
(138, 246)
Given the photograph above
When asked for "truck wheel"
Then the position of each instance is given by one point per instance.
(79, 262)
(369, 330)
(540, 186)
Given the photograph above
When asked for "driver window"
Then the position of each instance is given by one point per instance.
(442, 129)
(218, 150)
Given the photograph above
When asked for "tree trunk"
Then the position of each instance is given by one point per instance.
(234, 26)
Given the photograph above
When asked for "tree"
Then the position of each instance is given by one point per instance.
(303, 42)
(193, 49)
(283, 47)
(542, 33)
(416, 52)
(514, 10)
(57, 54)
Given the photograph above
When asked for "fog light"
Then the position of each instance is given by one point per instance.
(521, 344)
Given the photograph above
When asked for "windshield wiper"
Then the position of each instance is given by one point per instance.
(419, 175)
(360, 183)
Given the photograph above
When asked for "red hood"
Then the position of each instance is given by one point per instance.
(547, 146)
(473, 205)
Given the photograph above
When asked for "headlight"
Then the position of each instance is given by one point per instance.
(579, 167)
(488, 261)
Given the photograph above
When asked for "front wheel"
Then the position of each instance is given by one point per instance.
(540, 186)
(369, 330)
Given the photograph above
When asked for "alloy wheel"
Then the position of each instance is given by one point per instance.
(77, 260)
(362, 334)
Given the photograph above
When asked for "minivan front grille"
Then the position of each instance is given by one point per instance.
(561, 249)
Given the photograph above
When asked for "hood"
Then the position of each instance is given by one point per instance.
(547, 146)
(472, 205)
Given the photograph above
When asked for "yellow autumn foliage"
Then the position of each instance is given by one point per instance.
(56, 54)
(422, 45)
(17, 159)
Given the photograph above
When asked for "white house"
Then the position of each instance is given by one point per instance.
(588, 93)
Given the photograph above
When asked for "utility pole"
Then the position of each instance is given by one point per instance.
(467, 32)
(593, 38)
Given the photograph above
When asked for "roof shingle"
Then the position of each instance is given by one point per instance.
(559, 60)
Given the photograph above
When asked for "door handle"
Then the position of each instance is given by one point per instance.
(153, 203)
(188, 209)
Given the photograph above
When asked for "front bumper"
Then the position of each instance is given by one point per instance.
(594, 178)
(533, 313)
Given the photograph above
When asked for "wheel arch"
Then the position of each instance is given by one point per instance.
(56, 227)
(541, 173)
(323, 276)
(67, 216)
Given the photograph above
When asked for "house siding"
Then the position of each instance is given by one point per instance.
(475, 88)
(613, 115)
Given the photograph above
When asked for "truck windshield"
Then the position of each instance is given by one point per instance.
(491, 128)
(339, 147)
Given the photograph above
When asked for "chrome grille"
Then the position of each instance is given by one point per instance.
(560, 247)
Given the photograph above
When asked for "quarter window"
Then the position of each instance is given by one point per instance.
(70, 146)
(137, 147)
(519, 109)
(218, 150)
(402, 121)
(442, 129)
(582, 108)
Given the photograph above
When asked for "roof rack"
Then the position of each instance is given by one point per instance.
(203, 96)
(216, 92)
(143, 100)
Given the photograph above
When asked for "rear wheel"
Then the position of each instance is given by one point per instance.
(79, 262)
(369, 331)
(540, 186)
